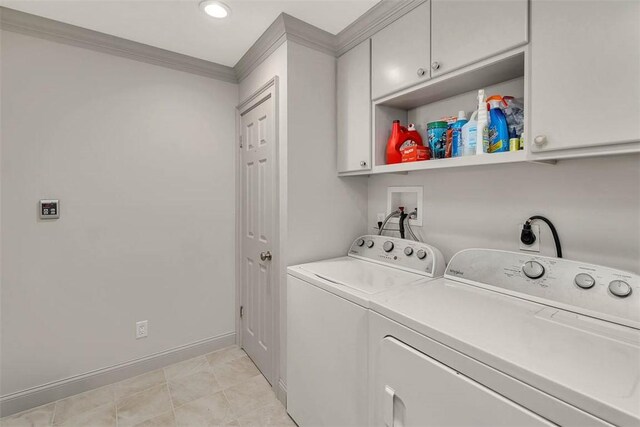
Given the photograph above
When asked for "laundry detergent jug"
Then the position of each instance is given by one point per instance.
(401, 136)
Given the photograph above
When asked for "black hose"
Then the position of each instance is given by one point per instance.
(401, 224)
(556, 239)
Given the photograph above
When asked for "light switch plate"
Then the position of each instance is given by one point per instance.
(49, 209)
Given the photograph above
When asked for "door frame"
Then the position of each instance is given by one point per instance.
(268, 90)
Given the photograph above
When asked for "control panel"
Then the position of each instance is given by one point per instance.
(49, 209)
(409, 255)
(589, 289)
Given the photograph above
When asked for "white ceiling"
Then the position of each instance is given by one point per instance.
(180, 26)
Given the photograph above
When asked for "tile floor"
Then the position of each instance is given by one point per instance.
(223, 388)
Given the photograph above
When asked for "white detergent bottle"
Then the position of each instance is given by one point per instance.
(469, 138)
(482, 133)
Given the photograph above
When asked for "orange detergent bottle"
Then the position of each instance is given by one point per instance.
(400, 136)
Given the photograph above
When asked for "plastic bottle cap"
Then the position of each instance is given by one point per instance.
(438, 124)
(462, 115)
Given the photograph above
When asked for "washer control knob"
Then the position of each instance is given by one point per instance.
(533, 269)
(620, 288)
(408, 251)
(369, 243)
(387, 246)
(421, 254)
(360, 242)
(584, 280)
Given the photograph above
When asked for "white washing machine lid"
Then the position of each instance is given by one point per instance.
(352, 278)
(589, 363)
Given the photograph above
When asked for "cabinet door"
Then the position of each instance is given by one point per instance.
(354, 109)
(585, 68)
(400, 52)
(466, 31)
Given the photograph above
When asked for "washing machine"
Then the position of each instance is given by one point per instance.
(328, 324)
(508, 339)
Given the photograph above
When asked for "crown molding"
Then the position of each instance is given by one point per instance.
(266, 44)
(49, 29)
(284, 28)
(373, 20)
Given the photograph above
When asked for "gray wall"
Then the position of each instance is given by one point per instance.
(141, 158)
(594, 203)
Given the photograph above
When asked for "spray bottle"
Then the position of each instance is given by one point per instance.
(498, 129)
(482, 133)
(469, 138)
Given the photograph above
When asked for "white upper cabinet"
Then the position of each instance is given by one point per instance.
(467, 31)
(585, 74)
(400, 52)
(354, 109)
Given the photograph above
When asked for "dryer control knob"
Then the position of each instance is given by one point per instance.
(620, 288)
(387, 246)
(533, 269)
(369, 243)
(584, 280)
(408, 251)
(360, 242)
(421, 254)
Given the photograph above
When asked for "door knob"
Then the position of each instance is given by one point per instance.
(421, 72)
(435, 65)
(540, 140)
(265, 256)
(363, 163)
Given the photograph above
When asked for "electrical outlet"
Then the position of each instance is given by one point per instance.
(535, 247)
(142, 329)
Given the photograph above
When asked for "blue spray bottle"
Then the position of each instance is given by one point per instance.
(498, 129)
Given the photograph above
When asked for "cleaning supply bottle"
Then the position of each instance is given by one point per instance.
(498, 129)
(482, 132)
(456, 139)
(469, 131)
(399, 136)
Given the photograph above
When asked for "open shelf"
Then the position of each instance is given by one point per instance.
(484, 159)
(445, 96)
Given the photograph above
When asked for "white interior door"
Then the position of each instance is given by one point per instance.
(258, 148)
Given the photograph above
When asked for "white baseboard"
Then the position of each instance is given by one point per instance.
(46, 393)
(281, 392)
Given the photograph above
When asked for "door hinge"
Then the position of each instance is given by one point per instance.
(241, 311)
(240, 141)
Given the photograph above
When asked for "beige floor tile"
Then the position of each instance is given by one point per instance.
(102, 416)
(165, 420)
(234, 371)
(36, 417)
(213, 410)
(143, 406)
(225, 355)
(137, 384)
(185, 389)
(186, 368)
(250, 395)
(80, 403)
(270, 415)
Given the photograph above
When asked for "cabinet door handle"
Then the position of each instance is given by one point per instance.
(421, 72)
(540, 140)
(363, 163)
(435, 65)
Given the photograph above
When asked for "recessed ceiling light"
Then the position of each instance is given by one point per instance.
(215, 8)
